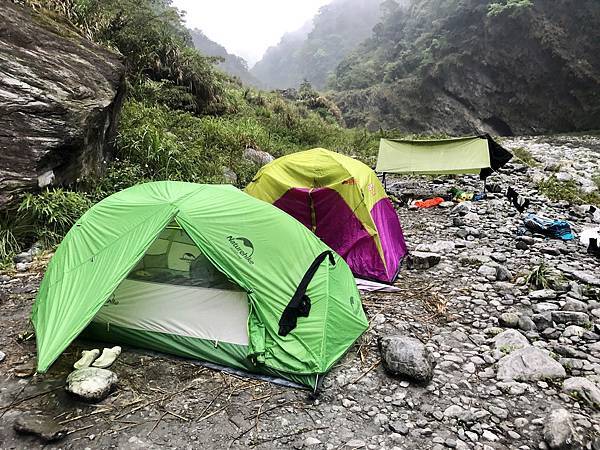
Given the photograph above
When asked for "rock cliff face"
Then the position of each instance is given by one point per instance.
(454, 66)
(59, 100)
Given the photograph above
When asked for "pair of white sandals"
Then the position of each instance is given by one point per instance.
(90, 358)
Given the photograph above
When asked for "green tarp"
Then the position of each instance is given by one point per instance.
(265, 252)
(446, 156)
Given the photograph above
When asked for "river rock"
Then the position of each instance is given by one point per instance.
(442, 247)
(543, 320)
(529, 364)
(559, 431)
(407, 357)
(60, 96)
(258, 157)
(229, 175)
(584, 389)
(526, 323)
(509, 320)
(91, 384)
(571, 317)
(585, 277)
(462, 209)
(423, 260)
(43, 427)
(543, 294)
(575, 305)
(510, 340)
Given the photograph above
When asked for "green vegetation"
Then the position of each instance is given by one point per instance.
(524, 156)
(596, 180)
(567, 190)
(313, 52)
(44, 217)
(543, 277)
(512, 6)
(427, 54)
(183, 119)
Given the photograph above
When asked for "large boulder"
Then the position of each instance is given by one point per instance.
(60, 96)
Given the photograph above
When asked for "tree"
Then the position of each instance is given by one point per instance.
(512, 6)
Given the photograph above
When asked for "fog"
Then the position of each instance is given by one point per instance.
(247, 28)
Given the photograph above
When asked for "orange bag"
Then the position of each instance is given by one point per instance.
(429, 203)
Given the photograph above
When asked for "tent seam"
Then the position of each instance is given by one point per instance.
(138, 225)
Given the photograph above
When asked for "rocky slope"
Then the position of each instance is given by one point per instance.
(59, 99)
(513, 366)
(231, 64)
(455, 67)
(313, 52)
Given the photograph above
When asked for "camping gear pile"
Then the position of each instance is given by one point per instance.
(559, 229)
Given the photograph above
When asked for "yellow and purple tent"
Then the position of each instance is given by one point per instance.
(343, 202)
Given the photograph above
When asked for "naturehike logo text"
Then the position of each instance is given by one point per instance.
(243, 247)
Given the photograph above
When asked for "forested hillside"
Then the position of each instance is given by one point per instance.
(231, 64)
(510, 66)
(313, 52)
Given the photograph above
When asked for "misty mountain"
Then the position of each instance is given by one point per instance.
(505, 66)
(232, 64)
(313, 52)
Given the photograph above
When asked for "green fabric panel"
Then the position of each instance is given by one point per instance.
(225, 354)
(446, 156)
(346, 320)
(274, 275)
(82, 277)
(259, 247)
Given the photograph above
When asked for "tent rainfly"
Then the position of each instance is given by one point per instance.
(343, 202)
(476, 154)
(201, 271)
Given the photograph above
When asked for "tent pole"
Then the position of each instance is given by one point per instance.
(384, 183)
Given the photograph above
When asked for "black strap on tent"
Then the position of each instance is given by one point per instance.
(299, 305)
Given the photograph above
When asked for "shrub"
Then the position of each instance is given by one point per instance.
(543, 277)
(567, 190)
(524, 156)
(45, 217)
(51, 213)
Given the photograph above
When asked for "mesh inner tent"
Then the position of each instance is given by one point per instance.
(173, 258)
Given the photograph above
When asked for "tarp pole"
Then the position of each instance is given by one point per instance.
(384, 183)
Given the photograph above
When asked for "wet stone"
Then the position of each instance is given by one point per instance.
(44, 427)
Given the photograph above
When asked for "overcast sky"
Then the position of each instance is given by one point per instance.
(248, 27)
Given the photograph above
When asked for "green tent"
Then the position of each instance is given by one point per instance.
(200, 271)
(473, 154)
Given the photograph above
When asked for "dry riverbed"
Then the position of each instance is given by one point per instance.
(457, 308)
